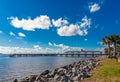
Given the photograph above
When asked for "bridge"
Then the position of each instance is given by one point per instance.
(67, 53)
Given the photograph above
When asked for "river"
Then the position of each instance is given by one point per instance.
(19, 67)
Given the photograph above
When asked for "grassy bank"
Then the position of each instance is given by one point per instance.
(107, 71)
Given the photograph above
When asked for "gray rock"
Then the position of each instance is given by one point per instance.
(15, 80)
(32, 78)
(45, 72)
(69, 73)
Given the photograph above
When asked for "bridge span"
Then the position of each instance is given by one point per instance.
(68, 53)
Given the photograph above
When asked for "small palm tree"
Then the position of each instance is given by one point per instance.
(118, 48)
(115, 40)
(107, 42)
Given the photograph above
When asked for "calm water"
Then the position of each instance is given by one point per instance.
(24, 66)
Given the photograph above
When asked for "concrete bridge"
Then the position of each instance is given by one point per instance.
(68, 53)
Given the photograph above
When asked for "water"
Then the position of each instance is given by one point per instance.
(11, 68)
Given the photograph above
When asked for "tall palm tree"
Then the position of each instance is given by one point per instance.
(107, 42)
(111, 49)
(115, 40)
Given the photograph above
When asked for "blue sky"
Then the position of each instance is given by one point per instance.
(56, 25)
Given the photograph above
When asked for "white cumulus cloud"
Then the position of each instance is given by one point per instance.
(61, 46)
(10, 50)
(20, 34)
(85, 22)
(60, 22)
(75, 29)
(43, 22)
(70, 30)
(37, 47)
(94, 7)
(12, 34)
(40, 22)
(50, 44)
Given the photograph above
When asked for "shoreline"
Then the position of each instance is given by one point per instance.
(108, 70)
(73, 72)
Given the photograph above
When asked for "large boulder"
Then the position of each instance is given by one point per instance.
(45, 72)
(32, 78)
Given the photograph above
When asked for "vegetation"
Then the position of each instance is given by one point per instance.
(109, 41)
(118, 48)
(107, 71)
(115, 40)
(106, 50)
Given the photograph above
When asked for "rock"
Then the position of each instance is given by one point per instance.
(32, 78)
(45, 72)
(15, 80)
(57, 77)
(64, 79)
(26, 79)
(61, 72)
(38, 78)
(52, 73)
(76, 78)
(73, 69)
(69, 73)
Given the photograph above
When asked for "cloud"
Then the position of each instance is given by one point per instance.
(100, 49)
(94, 7)
(60, 22)
(12, 34)
(50, 44)
(20, 34)
(9, 40)
(34, 49)
(55, 48)
(37, 47)
(1, 32)
(70, 30)
(62, 46)
(40, 22)
(99, 43)
(10, 50)
(43, 22)
(85, 22)
(75, 29)
(86, 39)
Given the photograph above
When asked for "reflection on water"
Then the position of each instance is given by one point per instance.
(25, 66)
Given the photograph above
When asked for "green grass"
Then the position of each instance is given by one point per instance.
(107, 71)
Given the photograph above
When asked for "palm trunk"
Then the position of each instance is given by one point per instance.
(108, 50)
(115, 49)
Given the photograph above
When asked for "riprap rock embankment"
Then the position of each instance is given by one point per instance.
(69, 73)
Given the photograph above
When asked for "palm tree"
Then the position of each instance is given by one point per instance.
(107, 42)
(106, 50)
(115, 40)
(118, 48)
